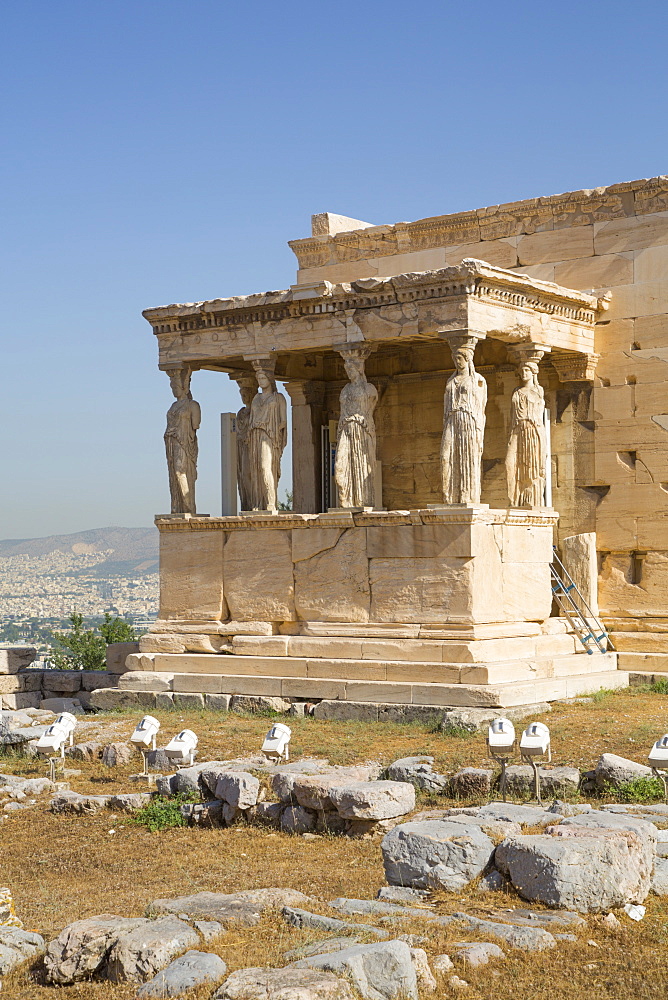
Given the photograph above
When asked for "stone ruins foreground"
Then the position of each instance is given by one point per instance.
(435, 370)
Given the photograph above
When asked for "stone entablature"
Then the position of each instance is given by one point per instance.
(227, 334)
(534, 215)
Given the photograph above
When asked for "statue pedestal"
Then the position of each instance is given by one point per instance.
(441, 606)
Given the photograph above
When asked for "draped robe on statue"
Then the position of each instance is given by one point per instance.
(525, 460)
(267, 437)
(243, 459)
(183, 419)
(355, 467)
(462, 441)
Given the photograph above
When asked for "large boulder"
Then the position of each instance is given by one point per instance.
(589, 870)
(616, 771)
(142, 951)
(373, 800)
(283, 984)
(82, 948)
(312, 791)
(419, 771)
(379, 971)
(238, 788)
(17, 945)
(435, 854)
(185, 973)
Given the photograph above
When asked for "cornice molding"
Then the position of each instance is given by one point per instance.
(470, 277)
(519, 218)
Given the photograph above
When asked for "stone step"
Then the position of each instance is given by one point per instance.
(643, 662)
(202, 664)
(411, 650)
(436, 694)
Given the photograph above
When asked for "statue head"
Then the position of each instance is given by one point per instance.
(247, 389)
(463, 358)
(354, 367)
(179, 380)
(264, 373)
(528, 373)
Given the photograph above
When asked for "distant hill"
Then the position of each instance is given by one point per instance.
(133, 550)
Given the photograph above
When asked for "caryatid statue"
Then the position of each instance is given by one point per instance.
(463, 427)
(248, 389)
(525, 459)
(355, 466)
(267, 438)
(183, 420)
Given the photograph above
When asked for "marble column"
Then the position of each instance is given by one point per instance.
(307, 419)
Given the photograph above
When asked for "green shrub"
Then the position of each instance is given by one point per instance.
(86, 648)
(162, 814)
(641, 790)
(659, 686)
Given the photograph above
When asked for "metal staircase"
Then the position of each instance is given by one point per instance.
(589, 629)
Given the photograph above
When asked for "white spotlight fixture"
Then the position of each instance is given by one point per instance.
(145, 732)
(181, 748)
(276, 744)
(658, 759)
(143, 736)
(52, 742)
(501, 743)
(534, 743)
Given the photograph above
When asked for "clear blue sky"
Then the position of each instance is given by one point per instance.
(165, 151)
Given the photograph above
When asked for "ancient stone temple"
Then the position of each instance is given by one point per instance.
(465, 391)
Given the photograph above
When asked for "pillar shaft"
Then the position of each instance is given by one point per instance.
(307, 419)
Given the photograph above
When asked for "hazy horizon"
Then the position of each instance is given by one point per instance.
(167, 152)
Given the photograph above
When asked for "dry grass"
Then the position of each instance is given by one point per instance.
(64, 868)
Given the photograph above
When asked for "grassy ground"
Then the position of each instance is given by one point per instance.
(64, 868)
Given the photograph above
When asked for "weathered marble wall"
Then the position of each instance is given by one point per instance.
(461, 566)
(610, 441)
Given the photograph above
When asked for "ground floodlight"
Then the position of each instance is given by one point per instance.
(276, 742)
(181, 748)
(501, 743)
(52, 742)
(145, 732)
(658, 758)
(55, 737)
(658, 755)
(501, 737)
(535, 742)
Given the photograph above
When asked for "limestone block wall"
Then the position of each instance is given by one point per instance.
(454, 566)
(610, 440)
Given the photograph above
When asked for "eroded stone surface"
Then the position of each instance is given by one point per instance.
(379, 971)
(184, 973)
(436, 854)
(283, 984)
(590, 871)
(373, 800)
